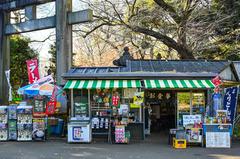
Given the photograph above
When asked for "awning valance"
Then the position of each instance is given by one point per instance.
(98, 84)
(178, 84)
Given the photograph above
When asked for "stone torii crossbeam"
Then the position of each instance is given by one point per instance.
(62, 21)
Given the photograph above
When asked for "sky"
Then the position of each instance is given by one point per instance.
(43, 11)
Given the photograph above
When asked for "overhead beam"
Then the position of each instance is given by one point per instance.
(80, 17)
(20, 4)
(47, 23)
(31, 25)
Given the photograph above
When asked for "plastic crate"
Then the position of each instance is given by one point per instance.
(179, 143)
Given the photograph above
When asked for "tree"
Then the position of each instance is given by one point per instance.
(53, 54)
(19, 53)
(187, 26)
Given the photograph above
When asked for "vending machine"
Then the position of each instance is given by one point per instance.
(12, 122)
(3, 123)
(24, 123)
(79, 127)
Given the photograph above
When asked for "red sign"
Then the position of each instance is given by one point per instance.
(33, 74)
(216, 81)
(51, 107)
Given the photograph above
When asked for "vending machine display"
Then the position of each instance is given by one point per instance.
(12, 122)
(3, 123)
(24, 123)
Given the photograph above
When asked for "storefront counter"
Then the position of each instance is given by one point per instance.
(136, 130)
(217, 135)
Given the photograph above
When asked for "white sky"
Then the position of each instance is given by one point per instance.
(47, 10)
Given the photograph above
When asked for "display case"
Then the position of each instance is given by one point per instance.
(3, 123)
(79, 126)
(24, 123)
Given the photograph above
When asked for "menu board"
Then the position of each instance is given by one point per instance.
(218, 139)
(39, 107)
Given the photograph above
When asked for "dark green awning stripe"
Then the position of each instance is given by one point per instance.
(178, 84)
(97, 84)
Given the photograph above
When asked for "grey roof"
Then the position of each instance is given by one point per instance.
(237, 67)
(152, 69)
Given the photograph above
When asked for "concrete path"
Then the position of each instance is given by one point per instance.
(151, 148)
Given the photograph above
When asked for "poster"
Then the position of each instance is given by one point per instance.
(33, 73)
(38, 129)
(191, 119)
(81, 133)
(137, 100)
(218, 139)
(230, 102)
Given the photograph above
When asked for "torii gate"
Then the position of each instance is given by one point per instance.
(62, 21)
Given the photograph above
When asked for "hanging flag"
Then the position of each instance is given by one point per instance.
(33, 73)
(230, 102)
(7, 73)
(54, 93)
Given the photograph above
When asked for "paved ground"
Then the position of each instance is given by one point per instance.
(152, 148)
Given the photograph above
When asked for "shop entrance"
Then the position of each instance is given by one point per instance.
(162, 114)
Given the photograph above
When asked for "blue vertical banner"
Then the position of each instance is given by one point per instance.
(230, 102)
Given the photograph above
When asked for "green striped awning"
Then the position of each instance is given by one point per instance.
(100, 84)
(178, 84)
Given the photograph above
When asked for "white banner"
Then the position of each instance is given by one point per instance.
(7, 73)
(47, 79)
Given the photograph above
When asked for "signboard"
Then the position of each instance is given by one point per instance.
(32, 67)
(230, 102)
(191, 119)
(137, 100)
(51, 106)
(218, 139)
(39, 107)
(38, 129)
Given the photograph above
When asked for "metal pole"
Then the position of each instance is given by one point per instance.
(72, 109)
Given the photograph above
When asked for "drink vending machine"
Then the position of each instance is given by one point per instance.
(24, 123)
(3, 123)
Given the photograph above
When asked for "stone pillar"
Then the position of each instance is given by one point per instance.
(63, 39)
(4, 58)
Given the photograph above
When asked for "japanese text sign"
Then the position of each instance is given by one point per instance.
(230, 102)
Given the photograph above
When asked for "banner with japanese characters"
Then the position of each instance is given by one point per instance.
(33, 73)
(230, 102)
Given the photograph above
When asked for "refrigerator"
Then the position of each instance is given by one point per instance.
(12, 122)
(24, 123)
(3, 123)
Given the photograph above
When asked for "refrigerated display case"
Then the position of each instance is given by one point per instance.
(24, 123)
(79, 126)
(3, 123)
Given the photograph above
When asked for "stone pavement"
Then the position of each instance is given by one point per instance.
(148, 149)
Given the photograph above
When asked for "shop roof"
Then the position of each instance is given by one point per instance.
(136, 69)
(237, 67)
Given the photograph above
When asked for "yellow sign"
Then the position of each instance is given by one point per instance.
(138, 99)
